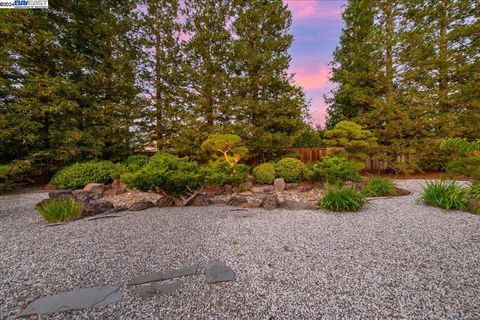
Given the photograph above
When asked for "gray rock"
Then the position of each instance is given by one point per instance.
(141, 205)
(157, 289)
(269, 201)
(200, 200)
(227, 189)
(82, 195)
(116, 188)
(63, 193)
(279, 184)
(163, 202)
(159, 276)
(295, 205)
(96, 189)
(263, 189)
(116, 209)
(96, 207)
(248, 185)
(219, 272)
(76, 299)
(236, 201)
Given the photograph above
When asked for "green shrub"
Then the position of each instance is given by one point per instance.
(474, 198)
(342, 199)
(58, 210)
(290, 169)
(79, 174)
(337, 170)
(4, 169)
(378, 186)
(469, 167)
(264, 173)
(447, 195)
(221, 173)
(136, 162)
(165, 172)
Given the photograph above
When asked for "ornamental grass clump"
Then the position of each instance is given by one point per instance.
(59, 210)
(446, 195)
(378, 186)
(342, 199)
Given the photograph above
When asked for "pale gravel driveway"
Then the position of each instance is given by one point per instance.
(395, 259)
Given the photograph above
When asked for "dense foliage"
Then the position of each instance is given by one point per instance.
(408, 70)
(220, 173)
(447, 195)
(59, 210)
(135, 162)
(290, 169)
(79, 174)
(165, 173)
(335, 170)
(467, 167)
(342, 199)
(264, 173)
(102, 80)
(378, 186)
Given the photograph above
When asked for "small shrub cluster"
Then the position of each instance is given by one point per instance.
(290, 169)
(59, 210)
(135, 162)
(79, 174)
(446, 195)
(336, 170)
(264, 173)
(220, 173)
(166, 172)
(340, 198)
(378, 186)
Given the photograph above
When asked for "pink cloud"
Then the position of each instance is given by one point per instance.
(318, 111)
(313, 10)
(312, 78)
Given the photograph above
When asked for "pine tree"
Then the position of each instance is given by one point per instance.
(356, 67)
(268, 109)
(162, 67)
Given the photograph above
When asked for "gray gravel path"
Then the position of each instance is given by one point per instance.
(395, 259)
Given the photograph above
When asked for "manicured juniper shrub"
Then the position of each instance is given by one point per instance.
(290, 169)
(379, 186)
(79, 174)
(447, 195)
(136, 162)
(220, 173)
(264, 173)
(337, 170)
(340, 198)
(59, 210)
(167, 173)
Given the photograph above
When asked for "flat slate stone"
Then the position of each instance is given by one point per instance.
(219, 272)
(157, 289)
(76, 299)
(159, 276)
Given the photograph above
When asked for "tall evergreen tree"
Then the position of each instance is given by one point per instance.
(268, 109)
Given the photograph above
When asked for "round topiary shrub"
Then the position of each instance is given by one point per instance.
(264, 173)
(290, 169)
(79, 174)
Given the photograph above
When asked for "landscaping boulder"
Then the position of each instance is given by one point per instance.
(248, 185)
(60, 194)
(50, 186)
(82, 195)
(269, 201)
(96, 207)
(263, 189)
(163, 202)
(116, 188)
(141, 205)
(279, 185)
(200, 200)
(236, 201)
(96, 189)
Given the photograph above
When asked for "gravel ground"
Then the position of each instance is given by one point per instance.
(395, 259)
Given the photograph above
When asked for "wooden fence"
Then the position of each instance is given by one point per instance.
(372, 163)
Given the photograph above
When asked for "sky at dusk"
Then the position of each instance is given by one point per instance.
(317, 25)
